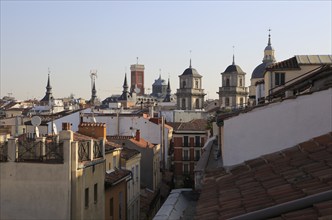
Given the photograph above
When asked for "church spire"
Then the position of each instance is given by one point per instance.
(190, 60)
(269, 41)
(269, 51)
(233, 57)
(125, 85)
(168, 95)
(48, 95)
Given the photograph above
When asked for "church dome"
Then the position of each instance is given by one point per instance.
(159, 82)
(259, 70)
(233, 68)
(268, 47)
(190, 71)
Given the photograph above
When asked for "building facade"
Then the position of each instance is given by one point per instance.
(58, 178)
(187, 142)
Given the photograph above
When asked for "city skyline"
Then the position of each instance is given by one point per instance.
(72, 38)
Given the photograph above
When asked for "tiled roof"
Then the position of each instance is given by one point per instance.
(81, 137)
(110, 146)
(127, 153)
(193, 125)
(128, 140)
(269, 180)
(294, 62)
(116, 175)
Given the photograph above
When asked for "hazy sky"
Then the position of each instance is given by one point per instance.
(73, 37)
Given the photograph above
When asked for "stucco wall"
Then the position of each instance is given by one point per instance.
(35, 190)
(276, 126)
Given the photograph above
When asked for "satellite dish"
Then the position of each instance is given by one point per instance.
(137, 90)
(35, 121)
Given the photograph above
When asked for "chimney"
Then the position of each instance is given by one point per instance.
(138, 135)
(66, 126)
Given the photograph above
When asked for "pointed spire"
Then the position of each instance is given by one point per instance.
(269, 41)
(168, 94)
(233, 57)
(190, 60)
(48, 96)
(125, 85)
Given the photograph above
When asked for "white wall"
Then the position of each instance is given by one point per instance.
(150, 131)
(276, 126)
(35, 190)
(73, 118)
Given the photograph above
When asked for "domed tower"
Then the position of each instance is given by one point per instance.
(159, 88)
(258, 73)
(190, 95)
(233, 93)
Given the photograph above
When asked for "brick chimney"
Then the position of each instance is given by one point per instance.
(138, 135)
(66, 126)
(92, 129)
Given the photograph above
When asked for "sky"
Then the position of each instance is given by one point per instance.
(71, 38)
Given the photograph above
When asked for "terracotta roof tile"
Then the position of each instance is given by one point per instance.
(272, 179)
(116, 175)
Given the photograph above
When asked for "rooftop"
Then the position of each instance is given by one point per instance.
(116, 175)
(268, 181)
(296, 61)
(127, 153)
(193, 125)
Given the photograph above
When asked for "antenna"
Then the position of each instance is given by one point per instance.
(93, 76)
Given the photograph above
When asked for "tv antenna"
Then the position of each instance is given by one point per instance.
(93, 76)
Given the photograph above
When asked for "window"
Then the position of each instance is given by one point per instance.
(186, 141)
(183, 104)
(185, 168)
(241, 102)
(95, 194)
(140, 79)
(197, 141)
(185, 154)
(279, 79)
(240, 81)
(197, 104)
(111, 208)
(183, 84)
(86, 198)
(226, 101)
(197, 156)
(196, 84)
(227, 82)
